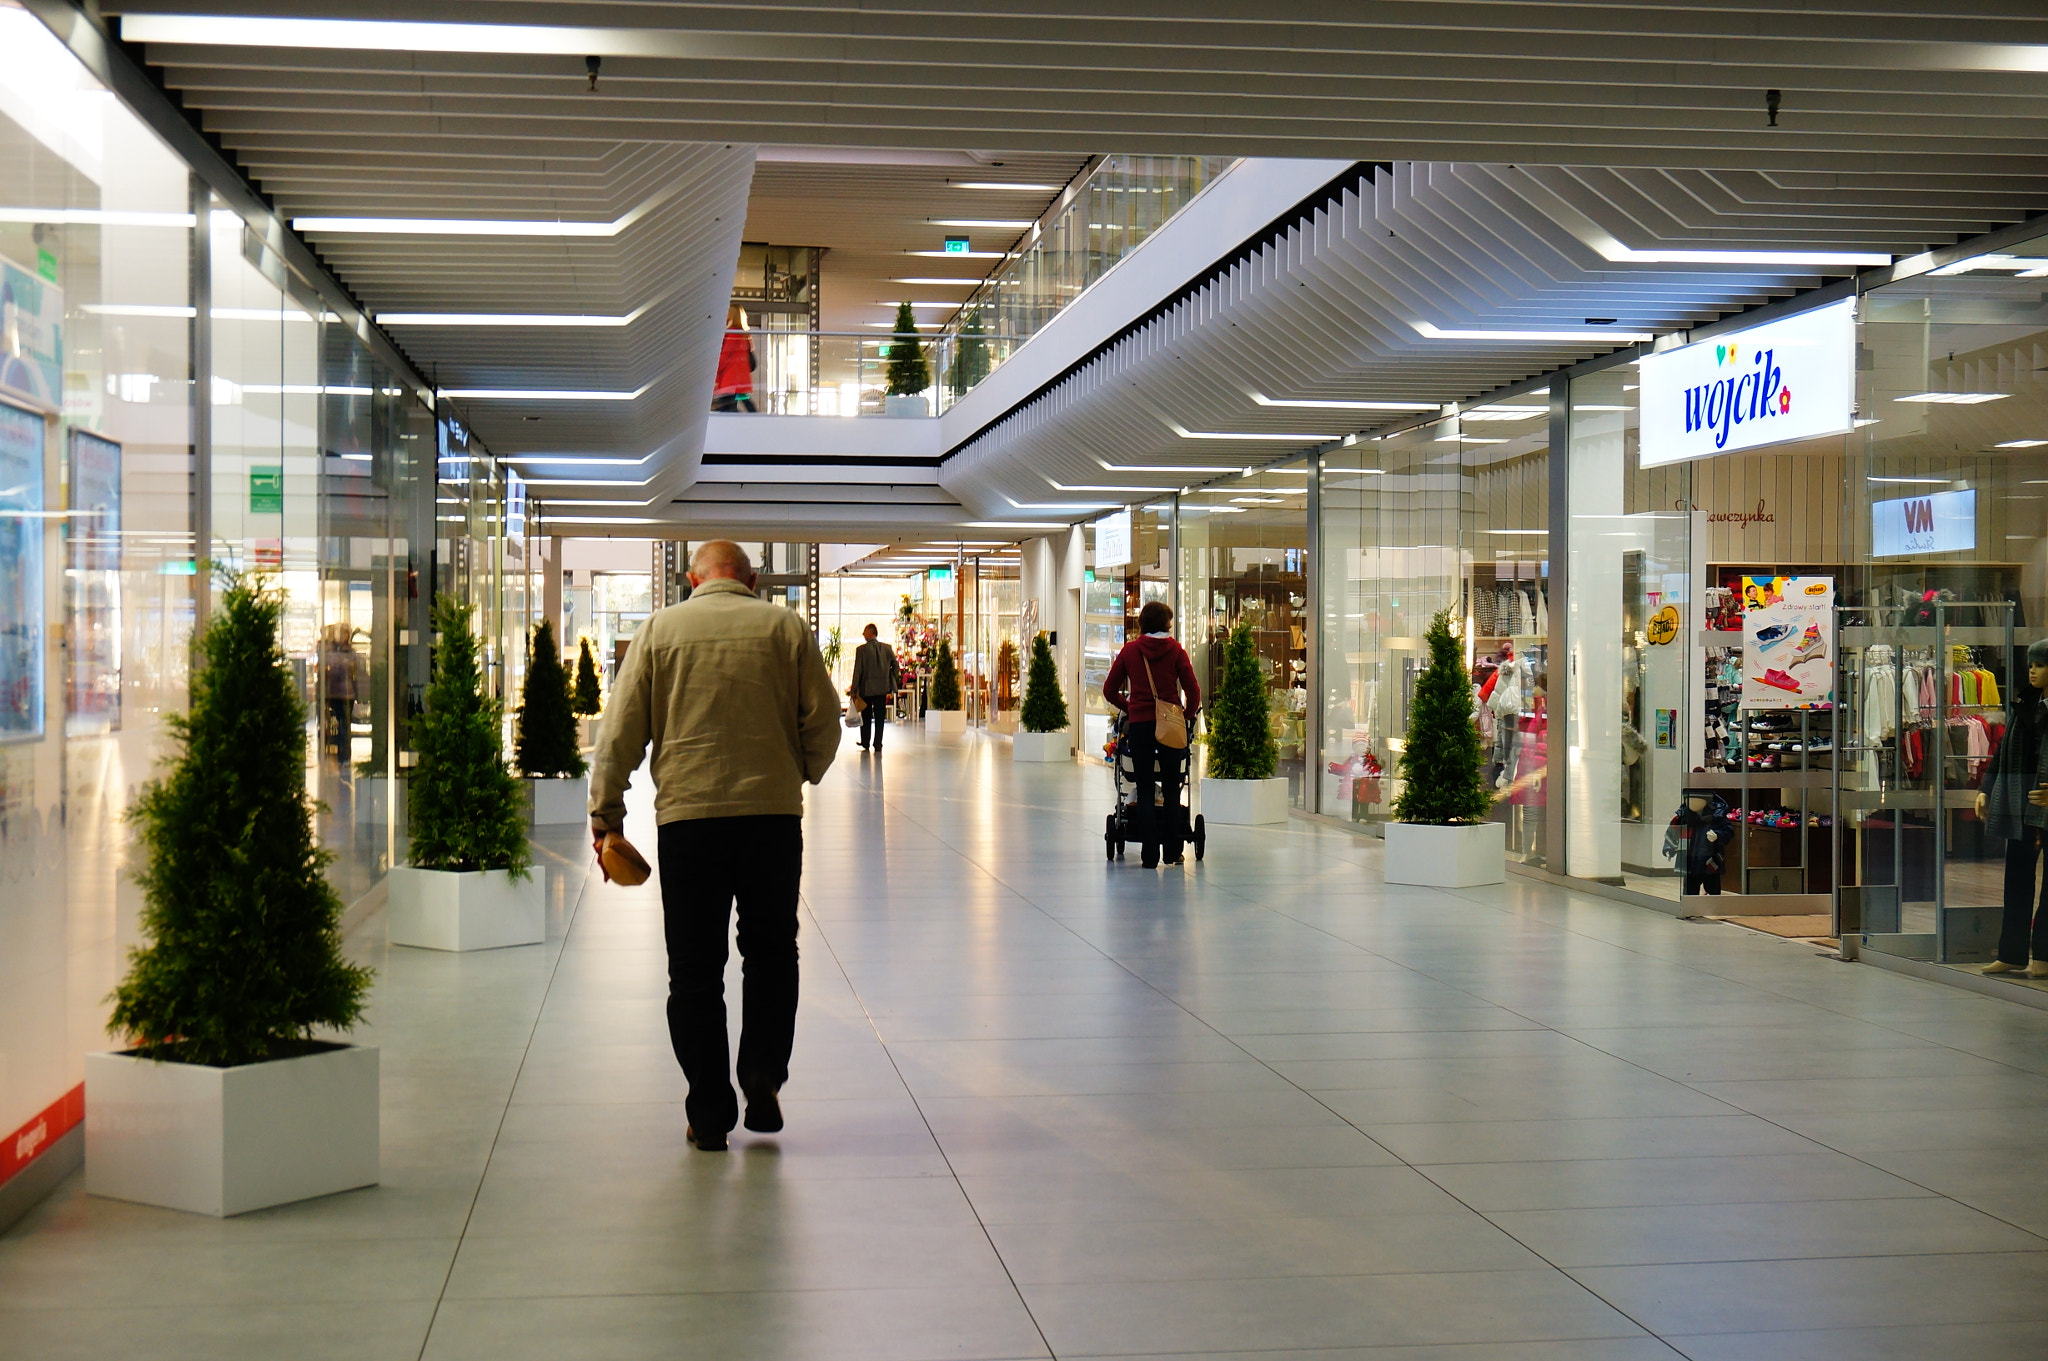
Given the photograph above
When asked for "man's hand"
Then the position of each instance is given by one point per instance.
(2038, 797)
(1980, 805)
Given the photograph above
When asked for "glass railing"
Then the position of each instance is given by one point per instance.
(1108, 215)
(1121, 202)
(838, 373)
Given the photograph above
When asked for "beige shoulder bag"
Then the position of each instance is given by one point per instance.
(1169, 721)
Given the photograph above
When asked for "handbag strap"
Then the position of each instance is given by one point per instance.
(1152, 681)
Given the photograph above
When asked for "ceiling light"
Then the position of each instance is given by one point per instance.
(1263, 400)
(1914, 481)
(555, 519)
(2021, 444)
(96, 217)
(1170, 468)
(505, 319)
(1583, 333)
(1508, 413)
(566, 460)
(1011, 223)
(1954, 398)
(2026, 266)
(1061, 486)
(453, 226)
(992, 184)
(1514, 531)
(393, 36)
(542, 394)
(961, 254)
(1620, 253)
(940, 283)
(1016, 524)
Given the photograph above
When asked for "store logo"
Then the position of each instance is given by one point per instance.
(1943, 522)
(29, 1140)
(1735, 393)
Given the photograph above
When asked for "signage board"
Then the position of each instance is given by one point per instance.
(1943, 522)
(956, 245)
(1113, 540)
(515, 505)
(31, 335)
(266, 489)
(21, 586)
(1790, 379)
(1788, 642)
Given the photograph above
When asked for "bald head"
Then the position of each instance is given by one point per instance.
(721, 559)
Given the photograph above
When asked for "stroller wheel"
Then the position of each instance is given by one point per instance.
(1109, 836)
(1201, 836)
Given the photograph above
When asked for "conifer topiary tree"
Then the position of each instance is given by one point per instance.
(1440, 764)
(945, 680)
(1045, 708)
(545, 742)
(909, 371)
(467, 813)
(243, 934)
(1241, 744)
(970, 357)
(589, 697)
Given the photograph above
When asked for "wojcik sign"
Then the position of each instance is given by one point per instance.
(1790, 379)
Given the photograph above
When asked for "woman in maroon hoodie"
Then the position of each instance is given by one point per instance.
(1149, 668)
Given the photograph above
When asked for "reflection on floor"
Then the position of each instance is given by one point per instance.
(1048, 1106)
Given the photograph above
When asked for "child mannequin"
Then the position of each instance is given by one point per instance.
(1698, 839)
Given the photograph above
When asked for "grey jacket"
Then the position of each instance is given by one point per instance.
(736, 700)
(874, 670)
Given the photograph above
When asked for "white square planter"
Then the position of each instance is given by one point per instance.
(943, 721)
(1244, 803)
(1042, 746)
(223, 1141)
(465, 910)
(906, 404)
(560, 799)
(1447, 857)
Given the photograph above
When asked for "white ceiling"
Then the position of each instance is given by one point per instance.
(1902, 125)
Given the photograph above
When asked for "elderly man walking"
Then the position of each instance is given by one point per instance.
(735, 698)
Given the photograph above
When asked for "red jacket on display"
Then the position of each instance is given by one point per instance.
(1169, 662)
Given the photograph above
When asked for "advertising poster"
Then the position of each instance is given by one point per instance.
(21, 587)
(93, 584)
(1788, 642)
(31, 335)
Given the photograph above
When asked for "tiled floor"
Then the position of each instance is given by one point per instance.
(1042, 1105)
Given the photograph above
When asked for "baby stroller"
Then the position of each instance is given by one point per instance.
(1121, 826)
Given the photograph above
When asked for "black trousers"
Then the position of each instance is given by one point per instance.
(1159, 828)
(708, 864)
(1710, 879)
(2025, 930)
(340, 734)
(875, 717)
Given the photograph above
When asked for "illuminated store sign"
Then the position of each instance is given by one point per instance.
(1113, 540)
(1945, 522)
(1790, 379)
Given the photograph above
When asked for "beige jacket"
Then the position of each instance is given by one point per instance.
(734, 697)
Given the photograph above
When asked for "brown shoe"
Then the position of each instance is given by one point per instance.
(2000, 966)
(705, 1143)
(2038, 969)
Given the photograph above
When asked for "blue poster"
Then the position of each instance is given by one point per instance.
(21, 590)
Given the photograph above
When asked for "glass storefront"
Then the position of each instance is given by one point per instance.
(177, 401)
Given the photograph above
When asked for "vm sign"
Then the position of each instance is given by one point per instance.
(1944, 522)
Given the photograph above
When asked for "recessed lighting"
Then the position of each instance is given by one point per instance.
(1914, 481)
(941, 283)
(452, 226)
(995, 184)
(2021, 444)
(1437, 333)
(1014, 224)
(1509, 413)
(1621, 253)
(961, 254)
(1317, 403)
(504, 319)
(1954, 398)
(542, 394)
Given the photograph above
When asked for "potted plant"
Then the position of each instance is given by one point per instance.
(1045, 736)
(1439, 834)
(544, 744)
(1004, 718)
(227, 1100)
(910, 373)
(944, 715)
(589, 697)
(1239, 786)
(466, 887)
(970, 357)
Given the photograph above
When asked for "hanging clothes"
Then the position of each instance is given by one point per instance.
(1880, 697)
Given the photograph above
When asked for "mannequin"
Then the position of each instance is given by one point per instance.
(2014, 805)
(1698, 841)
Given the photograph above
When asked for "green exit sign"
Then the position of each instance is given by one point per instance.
(957, 245)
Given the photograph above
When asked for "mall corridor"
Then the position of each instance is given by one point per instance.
(1043, 1105)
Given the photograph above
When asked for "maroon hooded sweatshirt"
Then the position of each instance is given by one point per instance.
(1169, 664)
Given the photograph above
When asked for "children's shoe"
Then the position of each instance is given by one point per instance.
(1812, 647)
(1771, 635)
(1780, 680)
